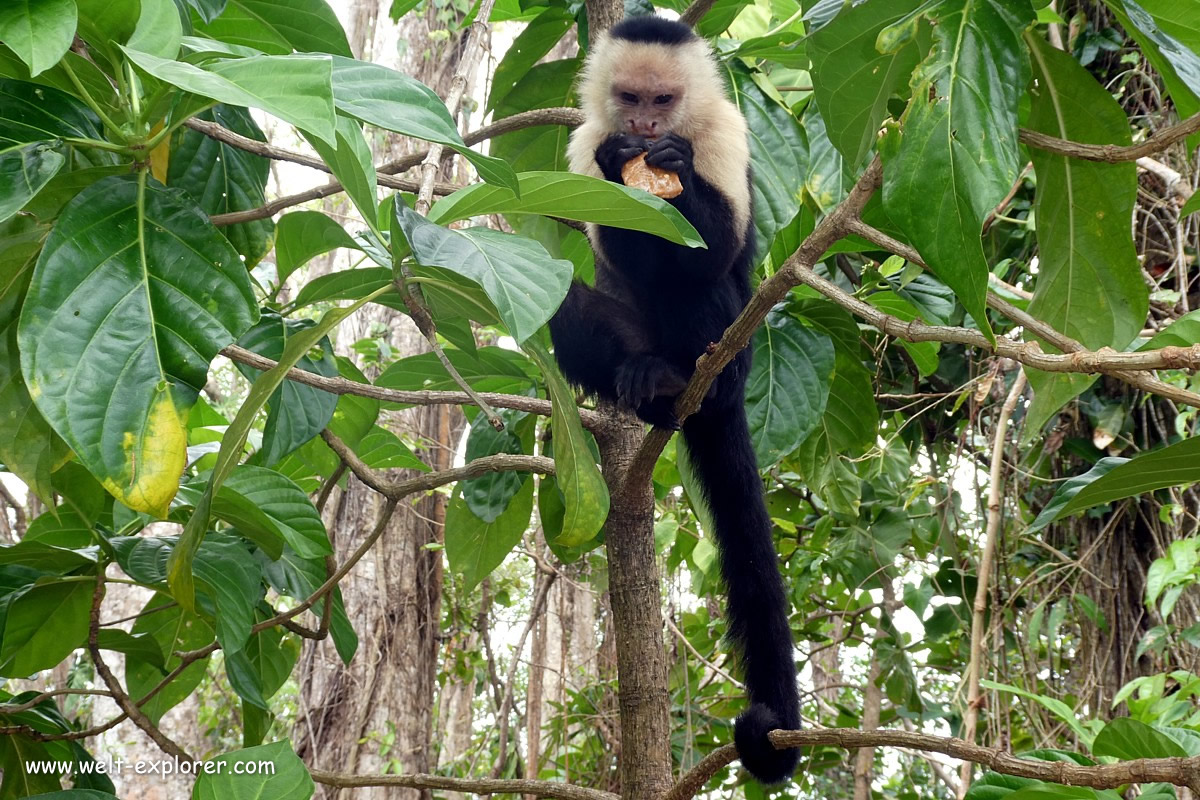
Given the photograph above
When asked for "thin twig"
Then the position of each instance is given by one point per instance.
(480, 786)
(1113, 153)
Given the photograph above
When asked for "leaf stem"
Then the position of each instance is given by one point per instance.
(91, 102)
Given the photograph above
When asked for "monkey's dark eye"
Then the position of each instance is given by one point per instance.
(628, 97)
(663, 99)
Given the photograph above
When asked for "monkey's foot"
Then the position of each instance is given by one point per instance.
(642, 378)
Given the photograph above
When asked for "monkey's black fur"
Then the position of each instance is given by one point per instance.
(634, 339)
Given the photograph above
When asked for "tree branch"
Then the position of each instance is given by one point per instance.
(535, 405)
(1113, 153)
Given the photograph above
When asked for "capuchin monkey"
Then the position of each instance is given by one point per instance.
(651, 86)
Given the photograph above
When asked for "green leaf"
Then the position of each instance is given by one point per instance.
(350, 161)
(1182, 332)
(31, 113)
(473, 547)
(397, 102)
(571, 196)
(29, 447)
(295, 88)
(958, 155)
(852, 79)
(521, 279)
(1126, 738)
(286, 504)
(489, 369)
(47, 557)
(288, 780)
(382, 449)
(223, 179)
(43, 625)
(1089, 283)
(1178, 65)
(296, 412)
(180, 566)
(923, 354)
(141, 645)
(64, 186)
(75, 794)
(260, 669)
(488, 495)
(233, 580)
(133, 295)
(159, 30)
(1054, 706)
(538, 39)
(1114, 479)
(788, 385)
(348, 284)
(38, 31)
(277, 26)
(17, 754)
(778, 158)
(1191, 206)
(584, 491)
(24, 171)
(354, 416)
(175, 630)
(543, 147)
(298, 578)
(303, 235)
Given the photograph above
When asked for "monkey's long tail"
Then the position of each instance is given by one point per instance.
(723, 459)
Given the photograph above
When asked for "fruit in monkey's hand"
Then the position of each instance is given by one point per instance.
(659, 182)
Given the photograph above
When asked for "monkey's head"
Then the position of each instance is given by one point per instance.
(648, 76)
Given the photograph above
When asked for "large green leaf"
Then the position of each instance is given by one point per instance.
(489, 369)
(1089, 283)
(350, 160)
(1178, 65)
(549, 85)
(38, 31)
(571, 196)
(1113, 479)
(303, 235)
(175, 630)
(488, 495)
(24, 170)
(233, 581)
(222, 179)
(298, 578)
(397, 102)
(538, 39)
(296, 412)
(778, 158)
(958, 155)
(521, 279)
(43, 625)
(286, 505)
(852, 79)
(243, 777)
(1127, 739)
(278, 26)
(30, 113)
(134, 293)
(788, 385)
(295, 88)
(473, 547)
(29, 447)
(584, 492)
(260, 669)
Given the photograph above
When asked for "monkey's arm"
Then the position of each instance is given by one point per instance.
(701, 203)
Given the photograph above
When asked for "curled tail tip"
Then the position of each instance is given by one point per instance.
(758, 755)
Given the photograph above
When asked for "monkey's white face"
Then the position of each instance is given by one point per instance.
(645, 103)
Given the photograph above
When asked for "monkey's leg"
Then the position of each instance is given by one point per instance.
(602, 346)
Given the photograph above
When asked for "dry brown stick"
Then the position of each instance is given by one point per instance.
(17, 708)
(395, 490)
(1113, 153)
(535, 611)
(535, 405)
(1141, 380)
(479, 786)
(984, 571)
(122, 699)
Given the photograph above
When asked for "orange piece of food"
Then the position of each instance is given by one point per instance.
(659, 182)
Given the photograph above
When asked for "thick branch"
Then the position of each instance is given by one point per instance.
(415, 398)
(1176, 771)
(1113, 153)
(481, 786)
(1141, 380)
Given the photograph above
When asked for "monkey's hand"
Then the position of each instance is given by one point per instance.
(614, 151)
(672, 153)
(643, 377)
